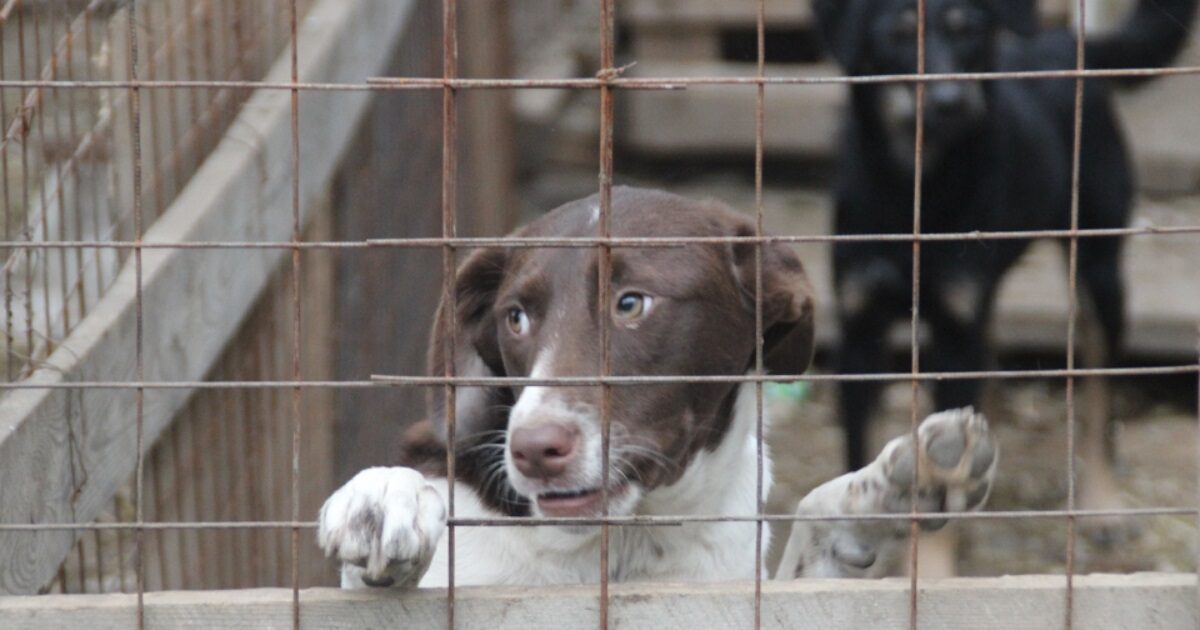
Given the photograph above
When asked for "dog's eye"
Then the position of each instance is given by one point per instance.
(518, 321)
(632, 305)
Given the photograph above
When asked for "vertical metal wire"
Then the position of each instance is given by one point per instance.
(52, 71)
(152, 118)
(1073, 311)
(449, 230)
(9, 358)
(23, 131)
(914, 347)
(759, 133)
(135, 121)
(39, 125)
(93, 184)
(608, 71)
(295, 295)
(79, 286)
(171, 72)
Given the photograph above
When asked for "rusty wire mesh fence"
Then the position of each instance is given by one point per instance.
(108, 107)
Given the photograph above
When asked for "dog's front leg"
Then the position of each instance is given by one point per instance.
(384, 525)
(957, 466)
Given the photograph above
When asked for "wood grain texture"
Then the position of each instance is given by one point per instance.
(59, 465)
(1146, 601)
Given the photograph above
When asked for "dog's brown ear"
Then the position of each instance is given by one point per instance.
(787, 303)
(843, 25)
(471, 331)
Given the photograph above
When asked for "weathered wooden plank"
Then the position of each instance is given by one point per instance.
(712, 12)
(800, 119)
(1146, 601)
(58, 465)
(677, 38)
(1162, 129)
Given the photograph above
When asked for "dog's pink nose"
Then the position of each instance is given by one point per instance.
(543, 451)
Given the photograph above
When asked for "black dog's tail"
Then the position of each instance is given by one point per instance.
(1151, 36)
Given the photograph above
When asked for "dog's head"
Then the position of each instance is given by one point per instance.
(678, 311)
(880, 37)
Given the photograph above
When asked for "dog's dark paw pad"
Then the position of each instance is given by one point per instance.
(901, 464)
(1107, 533)
(945, 445)
(982, 457)
(379, 582)
(854, 553)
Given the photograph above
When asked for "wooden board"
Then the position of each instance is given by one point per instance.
(681, 38)
(63, 453)
(720, 119)
(1160, 120)
(712, 12)
(1147, 601)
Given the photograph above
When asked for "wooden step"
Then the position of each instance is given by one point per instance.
(720, 119)
(693, 13)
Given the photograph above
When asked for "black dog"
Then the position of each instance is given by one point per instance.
(997, 156)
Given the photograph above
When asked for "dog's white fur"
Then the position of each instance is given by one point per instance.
(388, 522)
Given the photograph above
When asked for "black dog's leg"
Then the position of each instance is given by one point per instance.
(867, 302)
(862, 352)
(1098, 340)
(957, 313)
(1100, 274)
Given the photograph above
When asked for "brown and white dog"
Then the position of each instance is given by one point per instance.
(676, 448)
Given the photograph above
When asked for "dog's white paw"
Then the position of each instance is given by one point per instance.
(384, 525)
(957, 467)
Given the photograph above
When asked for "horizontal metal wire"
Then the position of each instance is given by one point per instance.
(647, 521)
(641, 83)
(681, 82)
(615, 241)
(579, 381)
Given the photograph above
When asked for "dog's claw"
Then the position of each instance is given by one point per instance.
(383, 525)
(954, 464)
